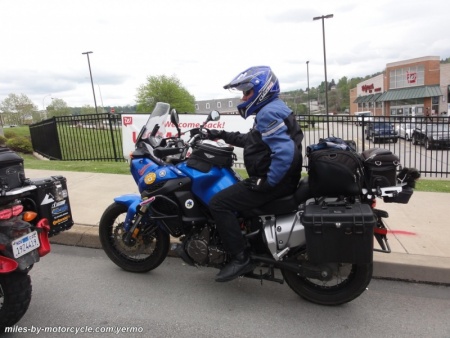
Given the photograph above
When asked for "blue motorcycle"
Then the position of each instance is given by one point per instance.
(178, 175)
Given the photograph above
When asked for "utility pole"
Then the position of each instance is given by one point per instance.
(92, 82)
(325, 63)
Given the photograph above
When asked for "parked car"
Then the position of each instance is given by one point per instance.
(405, 130)
(363, 116)
(432, 135)
(381, 131)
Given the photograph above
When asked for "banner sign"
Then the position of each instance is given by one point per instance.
(132, 124)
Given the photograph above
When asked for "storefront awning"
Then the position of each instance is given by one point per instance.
(375, 97)
(362, 99)
(410, 93)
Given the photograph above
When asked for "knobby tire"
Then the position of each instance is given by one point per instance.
(15, 297)
(116, 250)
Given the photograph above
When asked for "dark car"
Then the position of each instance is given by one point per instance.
(432, 135)
(381, 131)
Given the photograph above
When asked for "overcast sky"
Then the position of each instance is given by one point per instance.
(204, 43)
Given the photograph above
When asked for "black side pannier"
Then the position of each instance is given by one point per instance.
(53, 203)
(380, 167)
(334, 171)
(206, 155)
(12, 174)
(340, 233)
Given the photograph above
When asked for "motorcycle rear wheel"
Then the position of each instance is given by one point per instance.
(348, 282)
(15, 297)
(148, 252)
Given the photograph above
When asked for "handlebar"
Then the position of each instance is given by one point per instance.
(163, 152)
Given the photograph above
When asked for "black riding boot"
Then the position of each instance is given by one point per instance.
(240, 265)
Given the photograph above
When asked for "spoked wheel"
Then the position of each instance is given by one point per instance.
(15, 297)
(347, 283)
(147, 253)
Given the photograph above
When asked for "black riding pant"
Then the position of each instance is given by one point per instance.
(225, 205)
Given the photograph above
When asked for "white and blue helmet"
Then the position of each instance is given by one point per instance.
(265, 87)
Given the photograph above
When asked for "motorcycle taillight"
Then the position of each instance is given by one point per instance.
(5, 214)
(10, 210)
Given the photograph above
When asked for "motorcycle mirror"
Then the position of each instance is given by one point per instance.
(214, 116)
(174, 117)
(175, 120)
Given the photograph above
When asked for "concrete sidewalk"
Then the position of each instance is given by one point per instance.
(419, 231)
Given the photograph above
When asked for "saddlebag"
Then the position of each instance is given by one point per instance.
(52, 202)
(334, 169)
(206, 155)
(380, 167)
(12, 174)
(339, 233)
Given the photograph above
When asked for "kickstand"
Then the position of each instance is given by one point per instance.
(269, 275)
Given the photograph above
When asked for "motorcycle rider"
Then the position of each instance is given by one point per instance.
(272, 157)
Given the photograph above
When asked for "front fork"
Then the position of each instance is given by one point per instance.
(132, 229)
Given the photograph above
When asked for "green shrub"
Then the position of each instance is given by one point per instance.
(2, 140)
(9, 134)
(20, 144)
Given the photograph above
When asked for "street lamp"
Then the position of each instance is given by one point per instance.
(307, 76)
(325, 62)
(92, 82)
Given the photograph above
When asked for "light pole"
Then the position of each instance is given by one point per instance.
(323, 17)
(101, 98)
(307, 76)
(92, 82)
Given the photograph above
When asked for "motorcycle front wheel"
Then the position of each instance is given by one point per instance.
(15, 297)
(147, 253)
(347, 283)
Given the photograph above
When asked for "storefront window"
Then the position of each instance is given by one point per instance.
(406, 77)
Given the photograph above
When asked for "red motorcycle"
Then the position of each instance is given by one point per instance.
(31, 211)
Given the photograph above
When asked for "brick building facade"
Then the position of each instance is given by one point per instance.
(414, 87)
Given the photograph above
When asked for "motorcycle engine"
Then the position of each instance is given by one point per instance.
(200, 250)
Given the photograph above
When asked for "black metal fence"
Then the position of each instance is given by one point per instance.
(77, 138)
(420, 142)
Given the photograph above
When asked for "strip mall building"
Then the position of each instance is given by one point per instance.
(415, 87)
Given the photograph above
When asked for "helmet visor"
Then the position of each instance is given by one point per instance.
(240, 87)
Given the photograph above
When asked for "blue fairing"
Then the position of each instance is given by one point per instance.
(147, 173)
(206, 185)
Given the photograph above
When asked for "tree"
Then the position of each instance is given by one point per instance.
(164, 89)
(87, 110)
(16, 109)
(58, 107)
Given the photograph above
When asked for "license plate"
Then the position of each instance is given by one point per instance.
(25, 244)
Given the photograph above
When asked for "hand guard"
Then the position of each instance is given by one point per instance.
(409, 176)
(194, 132)
(257, 184)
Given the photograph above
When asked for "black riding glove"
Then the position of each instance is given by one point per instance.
(257, 184)
(214, 134)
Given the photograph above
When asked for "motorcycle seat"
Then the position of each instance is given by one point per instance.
(285, 204)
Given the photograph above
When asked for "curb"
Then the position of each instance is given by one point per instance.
(397, 266)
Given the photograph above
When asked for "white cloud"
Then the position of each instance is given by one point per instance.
(204, 43)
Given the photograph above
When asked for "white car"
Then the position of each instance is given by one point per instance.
(405, 130)
(365, 116)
